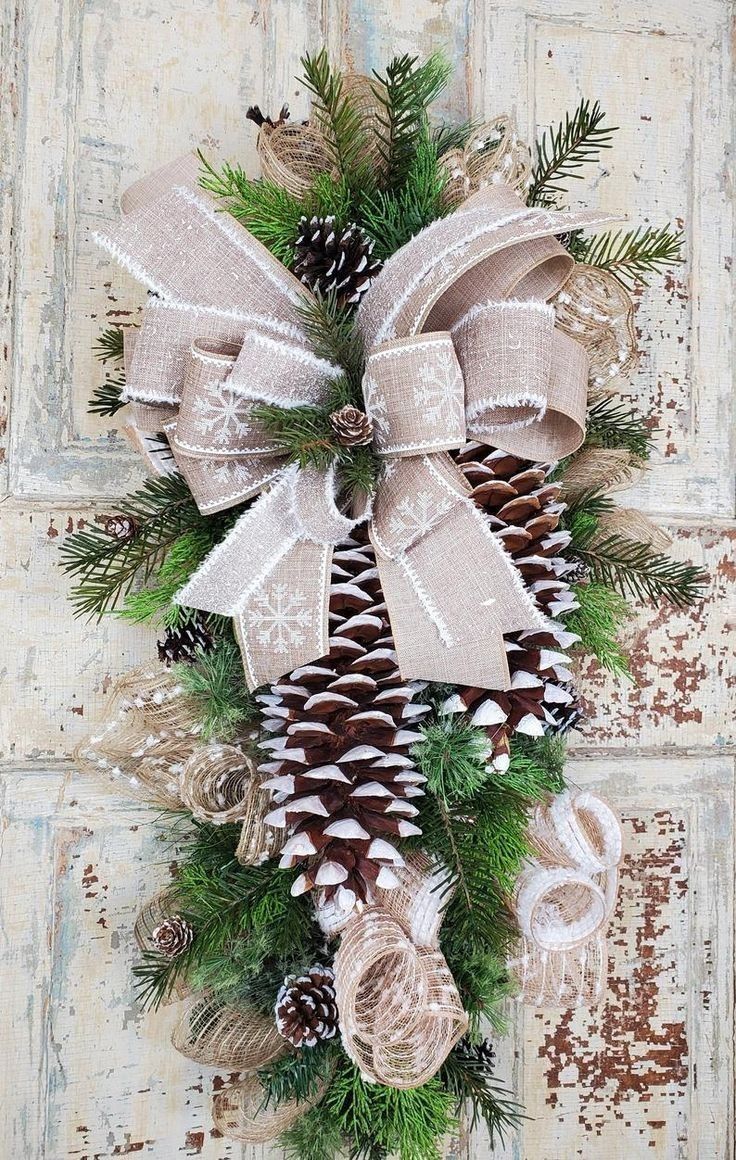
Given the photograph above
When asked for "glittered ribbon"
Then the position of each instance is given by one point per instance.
(460, 344)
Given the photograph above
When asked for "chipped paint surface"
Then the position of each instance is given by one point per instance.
(97, 92)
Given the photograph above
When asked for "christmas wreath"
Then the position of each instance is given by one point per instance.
(377, 393)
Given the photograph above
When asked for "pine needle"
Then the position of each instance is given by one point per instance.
(341, 121)
(405, 94)
(563, 150)
(107, 568)
(597, 621)
(610, 423)
(107, 399)
(215, 682)
(636, 569)
(632, 254)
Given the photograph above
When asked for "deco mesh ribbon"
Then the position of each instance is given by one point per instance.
(460, 343)
(564, 900)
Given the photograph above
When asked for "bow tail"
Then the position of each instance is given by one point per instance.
(273, 580)
(451, 590)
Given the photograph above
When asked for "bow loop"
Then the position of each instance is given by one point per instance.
(447, 357)
(413, 391)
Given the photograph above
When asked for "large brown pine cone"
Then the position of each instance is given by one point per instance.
(342, 729)
(330, 259)
(306, 1009)
(524, 510)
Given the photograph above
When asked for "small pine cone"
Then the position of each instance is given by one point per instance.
(482, 1052)
(578, 571)
(327, 259)
(181, 645)
(306, 1009)
(121, 527)
(172, 936)
(524, 509)
(352, 426)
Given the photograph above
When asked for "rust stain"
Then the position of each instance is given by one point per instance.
(194, 1140)
(51, 531)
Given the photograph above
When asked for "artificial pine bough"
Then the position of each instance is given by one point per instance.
(354, 774)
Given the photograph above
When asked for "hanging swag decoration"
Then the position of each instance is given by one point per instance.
(376, 391)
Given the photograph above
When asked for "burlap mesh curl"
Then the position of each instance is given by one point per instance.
(400, 1012)
(217, 783)
(217, 1035)
(494, 155)
(564, 898)
(238, 1112)
(596, 310)
(150, 729)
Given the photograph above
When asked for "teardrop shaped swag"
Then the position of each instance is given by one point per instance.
(460, 343)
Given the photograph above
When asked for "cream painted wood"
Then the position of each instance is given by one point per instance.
(96, 92)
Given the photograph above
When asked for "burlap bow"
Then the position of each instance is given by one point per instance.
(451, 356)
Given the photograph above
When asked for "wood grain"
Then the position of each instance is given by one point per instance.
(95, 93)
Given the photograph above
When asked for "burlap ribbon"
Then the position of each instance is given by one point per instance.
(460, 345)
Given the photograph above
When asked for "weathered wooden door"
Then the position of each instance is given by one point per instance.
(95, 93)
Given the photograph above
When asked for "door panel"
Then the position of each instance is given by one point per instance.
(97, 94)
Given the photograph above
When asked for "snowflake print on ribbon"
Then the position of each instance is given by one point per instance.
(415, 517)
(438, 391)
(222, 414)
(281, 616)
(375, 405)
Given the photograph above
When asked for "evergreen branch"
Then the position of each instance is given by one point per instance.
(300, 1074)
(597, 621)
(453, 756)
(380, 1121)
(106, 568)
(610, 423)
(393, 217)
(634, 568)
(109, 345)
(471, 1080)
(581, 517)
(341, 121)
(215, 682)
(446, 137)
(315, 1136)
(630, 255)
(107, 399)
(564, 149)
(268, 210)
(156, 604)
(405, 94)
(334, 336)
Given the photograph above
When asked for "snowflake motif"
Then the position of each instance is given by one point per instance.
(228, 474)
(413, 518)
(222, 414)
(438, 391)
(375, 405)
(281, 617)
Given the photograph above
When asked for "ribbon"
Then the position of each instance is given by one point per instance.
(564, 898)
(400, 1010)
(460, 345)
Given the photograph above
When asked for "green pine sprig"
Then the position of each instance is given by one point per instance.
(106, 568)
(393, 217)
(342, 123)
(472, 1082)
(610, 423)
(268, 210)
(107, 398)
(565, 148)
(630, 255)
(598, 621)
(637, 569)
(109, 346)
(300, 1074)
(405, 93)
(215, 683)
